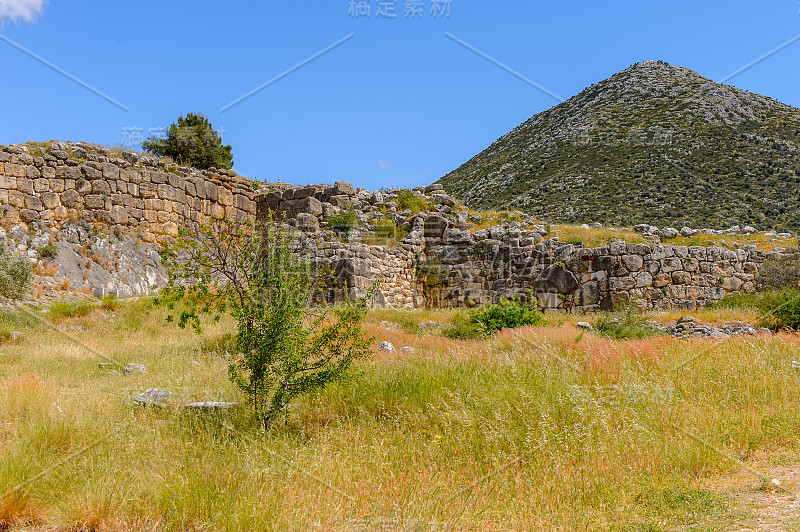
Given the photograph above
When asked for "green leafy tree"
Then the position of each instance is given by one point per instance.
(192, 141)
(284, 345)
(16, 274)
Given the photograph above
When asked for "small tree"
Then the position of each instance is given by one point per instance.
(16, 274)
(284, 346)
(192, 141)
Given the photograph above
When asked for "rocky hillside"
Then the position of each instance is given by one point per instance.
(655, 143)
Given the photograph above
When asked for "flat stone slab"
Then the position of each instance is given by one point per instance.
(154, 397)
(132, 369)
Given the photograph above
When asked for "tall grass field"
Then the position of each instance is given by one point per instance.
(536, 428)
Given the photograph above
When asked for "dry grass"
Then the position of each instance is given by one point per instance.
(760, 240)
(594, 236)
(539, 428)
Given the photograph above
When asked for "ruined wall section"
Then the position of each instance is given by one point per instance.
(487, 265)
(73, 182)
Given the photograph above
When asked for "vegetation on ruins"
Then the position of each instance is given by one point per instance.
(343, 221)
(407, 200)
(283, 346)
(192, 141)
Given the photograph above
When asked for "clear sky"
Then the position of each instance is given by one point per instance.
(397, 102)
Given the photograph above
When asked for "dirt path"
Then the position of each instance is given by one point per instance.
(772, 510)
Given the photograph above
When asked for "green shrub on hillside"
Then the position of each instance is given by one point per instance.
(407, 200)
(16, 274)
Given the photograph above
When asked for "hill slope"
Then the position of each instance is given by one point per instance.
(654, 143)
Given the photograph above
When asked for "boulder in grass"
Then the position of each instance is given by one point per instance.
(133, 369)
(386, 346)
(154, 397)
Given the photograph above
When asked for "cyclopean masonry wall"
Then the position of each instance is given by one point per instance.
(441, 263)
(72, 182)
(483, 266)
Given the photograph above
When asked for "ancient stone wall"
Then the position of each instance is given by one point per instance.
(440, 263)
(82, 182)
(484, 266)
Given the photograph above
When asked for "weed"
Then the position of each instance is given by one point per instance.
(628, 324)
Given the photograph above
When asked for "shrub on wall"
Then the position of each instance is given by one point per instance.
(192, 141)
(407, 200)
(343, 222)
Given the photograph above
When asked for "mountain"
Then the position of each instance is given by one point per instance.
(656, 144)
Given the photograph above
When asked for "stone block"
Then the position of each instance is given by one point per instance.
(50, 200)
(110, 171)
(25, 185)
(341, 201)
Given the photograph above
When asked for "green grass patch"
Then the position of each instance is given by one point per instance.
(69, 309)
(625, 325)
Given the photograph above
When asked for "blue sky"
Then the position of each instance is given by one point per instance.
(397, 104)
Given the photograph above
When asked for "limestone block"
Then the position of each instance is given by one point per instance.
(33, 203)
(71, 199)
(224, 196)
(94, 201)
(110, 171)
(25, 185)
(50, 200)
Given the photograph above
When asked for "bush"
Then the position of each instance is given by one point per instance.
(109, 302)
(485, 321)
(49, 251)
(507, 315)
(192, 141)
(780, 309)
(283, 346)
(407, 200)
(785, 311)
(16, 274)
(625, 325)
(343, 222)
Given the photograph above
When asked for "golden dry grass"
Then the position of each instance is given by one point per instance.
(538, 428)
